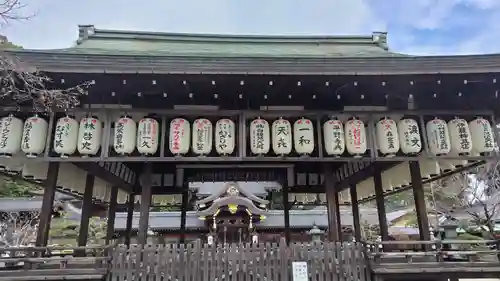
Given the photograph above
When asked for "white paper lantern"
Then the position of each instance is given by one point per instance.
(333, 137)
(429, 168)
(365, 189)
(34, 136)
(89, 136)
(400, 176)
(387, 137)
(35, 171)
(446, 166)
(282, 137)
(303, 136)
(482, 136)
(148, 132)
(125, 135)
(345, 197)
(409, 136)
(225, 136)
(180, 136)
(355, 136)
(460, 137)
(68, 178)
(15, 165)
(387, 185)
(438, 137)
(202, 136)
(259, 136)
(11, 130)
(65, 136)
(322, 198)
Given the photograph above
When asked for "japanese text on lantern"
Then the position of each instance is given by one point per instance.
(259, 134)
(28, 126)
(62, 130)
(463, 135)
(337, 135)
(441, 131)
(356, 134)
(90, 127)
(120, 126)
(488, 138)
(5, 131)
(389, 133)
(178, 132)
(302, 139)
(148, 133)
(202, 134)
(224, 134)
(282, 134)
(411, 136)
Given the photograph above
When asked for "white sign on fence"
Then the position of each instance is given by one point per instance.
(299, 269)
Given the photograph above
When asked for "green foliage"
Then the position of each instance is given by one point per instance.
(9, 45)
(65, 228)
(11, 188)
(165, 208)
(468, 236)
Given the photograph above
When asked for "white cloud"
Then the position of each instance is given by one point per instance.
(418, 26)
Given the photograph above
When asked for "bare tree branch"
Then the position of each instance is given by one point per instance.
(18, 228)
(23, 84)
(11, 10)
(475, 197)
(20, 84)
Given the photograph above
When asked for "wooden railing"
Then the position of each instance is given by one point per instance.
(53, 263)
(452, 256)
(237, 262)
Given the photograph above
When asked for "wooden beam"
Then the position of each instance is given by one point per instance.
(142, 236)
(355, 213)
(86, 210)
(100, 172)
(329, 182)
(47, 205)
(380, 201)
(419, 198)
(181, 183)
(113, 203)
(130, 216)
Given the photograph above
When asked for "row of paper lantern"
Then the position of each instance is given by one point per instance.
(70, 178)
(163, 200)
(456, 136)
(399, 177)
(304, 198)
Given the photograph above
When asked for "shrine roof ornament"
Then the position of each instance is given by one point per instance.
(233, 189)
(231, 200)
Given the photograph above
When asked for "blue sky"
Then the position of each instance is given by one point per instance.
(421, 27)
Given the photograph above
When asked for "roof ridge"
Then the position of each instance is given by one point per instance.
(89, 31)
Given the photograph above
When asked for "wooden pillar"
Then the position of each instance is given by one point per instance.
(113, 203)
(331, 202)
(419, 197)
(290, 181)
(146, 193)
(355, 213)
(130, 216)
(380, 201)
(185, 201)
(47, 205)
(337, 212)
(86, 210)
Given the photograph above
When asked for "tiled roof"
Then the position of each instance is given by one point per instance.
(274, 219)
(112, 51)
(101, 41)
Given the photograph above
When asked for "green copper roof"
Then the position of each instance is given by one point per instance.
(98, 41)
